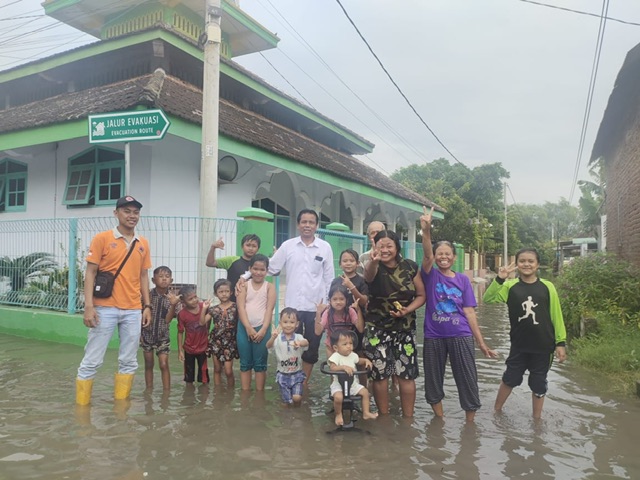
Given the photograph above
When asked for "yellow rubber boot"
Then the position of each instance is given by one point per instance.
(122, 385)
(83, 391)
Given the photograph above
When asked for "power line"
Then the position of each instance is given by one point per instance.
(308, 46)
(322, 87)
(511, 193)
(397, 87)
(103, 8)
(338, 103)
(591, 90)
(16, 1)
(581, 12)
(21, 17)
(286, 80)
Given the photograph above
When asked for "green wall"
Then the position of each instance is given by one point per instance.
(54, 326)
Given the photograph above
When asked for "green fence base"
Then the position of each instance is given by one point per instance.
(55, 326)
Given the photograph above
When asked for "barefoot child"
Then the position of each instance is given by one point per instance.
(192, 347)
(155, 336)
(537, 327)
(256, 301)
(345, 360)
(223, 347)
(288, 347)
(338, 315)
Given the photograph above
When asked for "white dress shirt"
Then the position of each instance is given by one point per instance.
(309, 272)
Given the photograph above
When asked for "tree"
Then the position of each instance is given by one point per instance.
(592, 199)
(466, 194)
(30, 266)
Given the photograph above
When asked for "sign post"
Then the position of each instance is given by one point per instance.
(132, 126)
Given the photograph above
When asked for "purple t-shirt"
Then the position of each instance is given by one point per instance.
(446, 298)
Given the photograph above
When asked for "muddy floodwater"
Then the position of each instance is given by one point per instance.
(207, 432)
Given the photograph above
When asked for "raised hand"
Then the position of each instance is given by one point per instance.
(219, 244)
(347, 282)
(173, 298)
(504, 272)
(425, 218)
(321, 307)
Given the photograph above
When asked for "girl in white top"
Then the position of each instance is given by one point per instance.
(255, 302)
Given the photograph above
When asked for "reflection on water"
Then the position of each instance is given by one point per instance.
(204, 432)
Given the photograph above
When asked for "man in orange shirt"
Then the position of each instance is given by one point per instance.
(122, 310)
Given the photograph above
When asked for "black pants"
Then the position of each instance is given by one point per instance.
(190, 360)
(307, 328)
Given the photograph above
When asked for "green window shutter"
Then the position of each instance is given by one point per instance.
(79, 185)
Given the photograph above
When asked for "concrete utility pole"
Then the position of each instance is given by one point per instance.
(505, 258)
(209, 158)
(210, 110)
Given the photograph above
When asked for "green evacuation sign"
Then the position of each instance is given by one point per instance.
(128, 126)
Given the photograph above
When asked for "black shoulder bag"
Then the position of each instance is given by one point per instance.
(103, 285)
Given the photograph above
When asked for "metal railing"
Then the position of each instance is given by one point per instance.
(42, 262)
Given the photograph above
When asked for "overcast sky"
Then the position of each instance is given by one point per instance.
(497, 80)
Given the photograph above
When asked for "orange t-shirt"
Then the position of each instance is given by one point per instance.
(108, 252)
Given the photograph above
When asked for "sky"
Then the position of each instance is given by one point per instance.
(496, 80)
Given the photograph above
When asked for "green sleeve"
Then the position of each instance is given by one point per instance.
(556, 313)
(497, 292)
(225, 262)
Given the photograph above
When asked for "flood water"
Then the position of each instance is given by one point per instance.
(586, 432)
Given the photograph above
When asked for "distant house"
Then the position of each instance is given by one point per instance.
(617, 145)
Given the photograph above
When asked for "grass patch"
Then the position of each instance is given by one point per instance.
(614, 351)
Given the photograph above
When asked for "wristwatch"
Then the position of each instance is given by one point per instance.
(148, 305)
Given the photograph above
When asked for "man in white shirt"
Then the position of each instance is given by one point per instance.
(308, 262)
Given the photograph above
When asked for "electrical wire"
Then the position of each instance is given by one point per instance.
(338, 102)
(382, 120)
(12, 3)
(511, 193)
(397, 86)
(105, 8)
(581, 12)
(590, 93)
(286, 80)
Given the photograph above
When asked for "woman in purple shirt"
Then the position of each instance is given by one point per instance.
(450, 325)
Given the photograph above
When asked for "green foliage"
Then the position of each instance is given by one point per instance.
(29, 266)
(592, 199)
(541, 226)
(466, 194)
(599, 285)
(613, 352)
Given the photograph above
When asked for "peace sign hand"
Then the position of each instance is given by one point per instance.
(504, 272)
(425, 218)
(347, 282)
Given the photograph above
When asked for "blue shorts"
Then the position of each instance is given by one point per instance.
(290, 384)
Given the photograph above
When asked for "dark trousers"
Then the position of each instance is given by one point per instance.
(190, 360)
(307, 328)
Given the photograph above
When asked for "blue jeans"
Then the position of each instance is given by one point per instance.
(129, 323)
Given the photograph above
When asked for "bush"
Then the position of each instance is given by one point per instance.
(599, 286)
